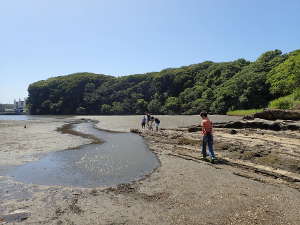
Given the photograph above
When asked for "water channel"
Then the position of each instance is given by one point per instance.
(121, 158)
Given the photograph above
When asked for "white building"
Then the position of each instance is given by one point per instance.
(20, 105)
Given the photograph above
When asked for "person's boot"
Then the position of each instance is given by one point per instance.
(213, 160)
(204, 158)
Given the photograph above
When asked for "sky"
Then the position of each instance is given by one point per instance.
(46, 38)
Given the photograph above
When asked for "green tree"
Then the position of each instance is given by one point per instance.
(141, 106)
(117, 108)
(154, 106)
(285, 77)
(105, 109)
(171, 106)
(210, 86)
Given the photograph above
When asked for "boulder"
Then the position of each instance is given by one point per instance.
(16, 216)
(233, 131)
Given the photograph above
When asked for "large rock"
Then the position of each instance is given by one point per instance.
(276, 114)
(261, 124)
(255, 124)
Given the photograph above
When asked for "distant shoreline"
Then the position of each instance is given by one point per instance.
(12, 113)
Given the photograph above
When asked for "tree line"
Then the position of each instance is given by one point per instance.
(210, 86)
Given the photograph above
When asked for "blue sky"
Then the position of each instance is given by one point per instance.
(45, 38)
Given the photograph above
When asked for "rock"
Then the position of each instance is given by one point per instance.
(254, 121)
(136, 131)
(194, 129)
(16, 216)
(233, 132)
(248, 117)
(276, 114)
(260, 124)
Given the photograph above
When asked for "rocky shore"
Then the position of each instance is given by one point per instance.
(254, 182)
(276, 114)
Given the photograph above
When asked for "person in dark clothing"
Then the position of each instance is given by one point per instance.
(143, 123)
(148, 119)
(157, 122)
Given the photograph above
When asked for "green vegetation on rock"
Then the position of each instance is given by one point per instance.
(209, 86)
(291, 101)
(243, 112)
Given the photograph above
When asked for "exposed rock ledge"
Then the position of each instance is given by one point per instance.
(276, 114)
(256, 124)
(269, 119)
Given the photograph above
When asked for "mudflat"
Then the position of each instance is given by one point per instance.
(24, 140)
(125, 123)
(183, 190)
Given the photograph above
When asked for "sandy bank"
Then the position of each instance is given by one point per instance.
(124, 123)
(19, 145)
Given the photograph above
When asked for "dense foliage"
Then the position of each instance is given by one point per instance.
(291, 101)
(285, 77)
(210, 86)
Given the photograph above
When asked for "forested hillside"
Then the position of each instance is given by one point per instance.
(209, 86)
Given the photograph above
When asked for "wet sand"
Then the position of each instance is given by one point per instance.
(19, 145)
(184, 190)
(125, 123)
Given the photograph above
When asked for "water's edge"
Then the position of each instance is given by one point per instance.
(111, 159)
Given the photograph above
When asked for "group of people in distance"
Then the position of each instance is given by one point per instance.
(148, 121)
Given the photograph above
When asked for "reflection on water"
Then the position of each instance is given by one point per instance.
(15, 117)
(123, 157)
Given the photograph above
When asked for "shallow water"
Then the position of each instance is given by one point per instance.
(122, 158)
(15, 117)
(33, 117)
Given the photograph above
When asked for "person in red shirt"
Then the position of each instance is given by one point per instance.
(207, 136)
